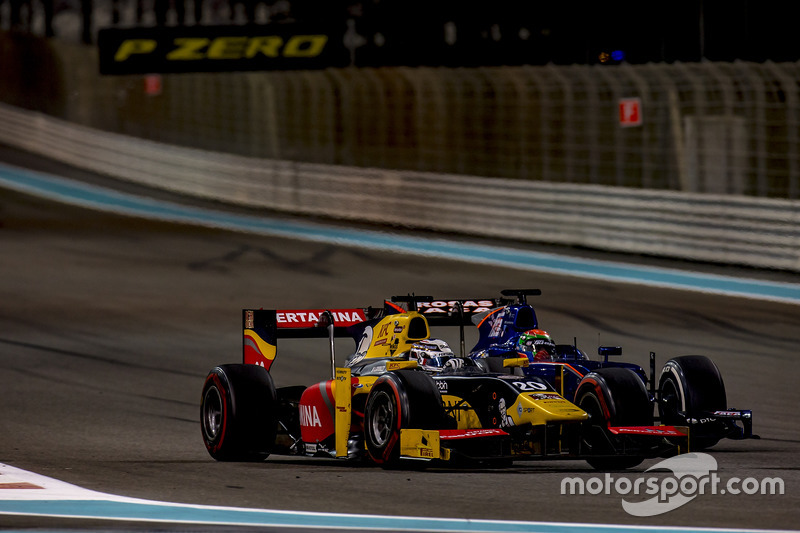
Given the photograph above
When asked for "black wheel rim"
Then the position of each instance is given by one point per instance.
(669, 401)
(381, 420)
(591, 405)
(212, 413)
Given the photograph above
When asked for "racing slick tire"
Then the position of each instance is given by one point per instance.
(692, 385)
(612, 397)
(400, 399)
(238, 413)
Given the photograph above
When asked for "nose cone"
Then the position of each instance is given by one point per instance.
(544, 407)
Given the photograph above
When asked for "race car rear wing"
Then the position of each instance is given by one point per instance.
(457, 311)
(443, 312)
(263, 327)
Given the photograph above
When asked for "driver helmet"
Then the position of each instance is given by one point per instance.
(431, 354)
(538, 343)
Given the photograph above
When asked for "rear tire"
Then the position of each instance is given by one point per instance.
(399, 400)
(692, 385)
(612, 397)
(238, 413)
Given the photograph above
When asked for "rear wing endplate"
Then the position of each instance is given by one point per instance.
(263, 327)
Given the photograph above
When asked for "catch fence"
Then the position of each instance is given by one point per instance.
(721, 128)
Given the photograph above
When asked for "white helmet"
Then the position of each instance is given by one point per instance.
(431, 354)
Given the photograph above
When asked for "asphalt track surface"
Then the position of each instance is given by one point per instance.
(108, 326)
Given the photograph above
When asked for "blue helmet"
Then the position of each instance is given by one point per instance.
(431, 354)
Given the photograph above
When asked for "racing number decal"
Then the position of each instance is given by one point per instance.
(530, 385)
(497, 325)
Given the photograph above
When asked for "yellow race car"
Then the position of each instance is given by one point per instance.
(401, 396)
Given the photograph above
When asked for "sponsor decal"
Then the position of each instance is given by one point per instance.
(545, 396)
(310, 318)
(732, 414)
(450, 434)
(309, 416)
(497, 325)
(505, 418)
(219, 49)
(669, 431)
(445, 306)
(699, 420)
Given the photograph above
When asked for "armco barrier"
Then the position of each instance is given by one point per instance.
(728, 229)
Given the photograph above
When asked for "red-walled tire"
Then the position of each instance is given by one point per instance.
(612, 397)
(402, 399)
(238, 413)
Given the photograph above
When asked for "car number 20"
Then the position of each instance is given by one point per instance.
(530, 385)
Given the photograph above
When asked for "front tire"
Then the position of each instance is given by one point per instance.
(612, 397)
(691, 385)
(399, 400)
(238, 413)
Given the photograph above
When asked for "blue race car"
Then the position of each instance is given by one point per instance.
(619, 396)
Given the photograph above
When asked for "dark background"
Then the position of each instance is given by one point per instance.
(472, 33)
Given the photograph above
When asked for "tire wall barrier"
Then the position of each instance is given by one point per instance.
(472, 151)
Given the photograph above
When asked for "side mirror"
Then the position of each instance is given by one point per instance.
(514, 362)
(606, 351)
